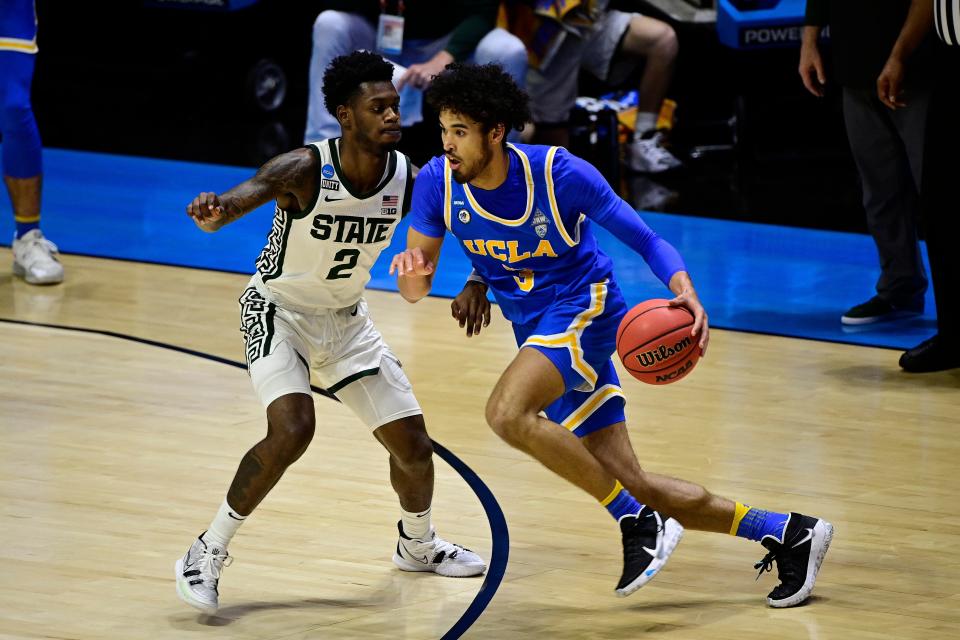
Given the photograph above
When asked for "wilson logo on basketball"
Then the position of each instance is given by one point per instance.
(650, 358)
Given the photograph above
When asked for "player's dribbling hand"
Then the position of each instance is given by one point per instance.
(471, 308)
(688, 298)
(411, 263)
(207, 211)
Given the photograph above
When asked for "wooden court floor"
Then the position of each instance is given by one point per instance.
(115, 454)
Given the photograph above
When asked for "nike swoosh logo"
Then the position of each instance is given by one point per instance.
(423, 561)
(808, 536)
(420, 515)
(353, 313)
(230, 513)
(329, 199)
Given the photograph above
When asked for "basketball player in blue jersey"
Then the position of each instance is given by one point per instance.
(338, 202)
(34, 257)
(522, 214)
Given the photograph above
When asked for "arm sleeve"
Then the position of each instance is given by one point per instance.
(817, 13)
(427, 205)
(588, 192)
(479, 18)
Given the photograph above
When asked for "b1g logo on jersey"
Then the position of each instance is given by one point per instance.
(389, 205)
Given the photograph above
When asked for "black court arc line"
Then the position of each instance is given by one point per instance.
(499, 533)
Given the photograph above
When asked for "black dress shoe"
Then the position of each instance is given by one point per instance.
(930, 355)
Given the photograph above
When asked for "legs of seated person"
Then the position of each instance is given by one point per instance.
(335, 33)
(656, 43)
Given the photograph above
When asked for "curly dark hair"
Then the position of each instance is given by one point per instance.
(484, 92)
(342, 79)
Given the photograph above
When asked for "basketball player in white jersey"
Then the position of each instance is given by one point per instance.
(338, 203)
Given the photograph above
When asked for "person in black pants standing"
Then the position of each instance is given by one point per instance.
(877, 42)
(940, 208)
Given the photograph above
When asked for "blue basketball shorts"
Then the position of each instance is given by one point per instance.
(578, 335)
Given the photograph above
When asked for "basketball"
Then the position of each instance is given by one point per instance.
(654, 342)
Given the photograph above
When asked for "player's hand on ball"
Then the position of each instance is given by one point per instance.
(207, 211)
(411, 263)
(688, 298)
(471, 308)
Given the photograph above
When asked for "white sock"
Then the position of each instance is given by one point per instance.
(415, 525)
(224, 525)
(645, 122)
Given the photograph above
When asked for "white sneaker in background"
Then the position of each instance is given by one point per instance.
(646, 154)
(35, 259)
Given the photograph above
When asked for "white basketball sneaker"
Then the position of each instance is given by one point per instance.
(35, 259)
(198, 573)
(646, 154)
(436, 554)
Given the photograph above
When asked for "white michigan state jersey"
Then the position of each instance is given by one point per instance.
(321, 258)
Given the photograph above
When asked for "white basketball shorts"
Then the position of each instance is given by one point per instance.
(341, 347)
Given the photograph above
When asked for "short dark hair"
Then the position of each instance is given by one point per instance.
(342, 79)
(484, 92)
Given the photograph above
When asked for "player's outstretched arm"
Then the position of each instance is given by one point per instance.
(287, 178)
(416, 265)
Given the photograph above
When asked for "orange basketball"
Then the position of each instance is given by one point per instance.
(655, 344)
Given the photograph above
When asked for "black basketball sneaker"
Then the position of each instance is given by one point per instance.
(798, 557)
(648, 541)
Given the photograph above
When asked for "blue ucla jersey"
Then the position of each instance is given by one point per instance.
(18, 26)
(533, 257)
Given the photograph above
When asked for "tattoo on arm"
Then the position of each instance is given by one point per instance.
(289, 173)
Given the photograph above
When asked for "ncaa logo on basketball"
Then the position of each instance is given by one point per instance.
(673, 375)
(327, 171)
(540, 223)
(463, 216)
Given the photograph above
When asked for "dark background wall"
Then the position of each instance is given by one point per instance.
(164, 81)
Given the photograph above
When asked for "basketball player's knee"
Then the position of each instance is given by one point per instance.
(293, 436)
(414, 455)
(508, 421)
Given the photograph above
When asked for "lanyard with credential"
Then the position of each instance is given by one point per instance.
(390, 30)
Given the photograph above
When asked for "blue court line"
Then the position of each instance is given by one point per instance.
(498, 523)
(751, 277)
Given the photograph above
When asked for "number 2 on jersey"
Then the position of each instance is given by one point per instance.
(349, 259)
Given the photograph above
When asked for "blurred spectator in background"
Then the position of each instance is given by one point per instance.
(940, 204)
(880, 43)
(563, 37)
(34, 257)
(421, 35)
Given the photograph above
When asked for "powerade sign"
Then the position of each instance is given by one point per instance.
(757, 24)
(770, 36)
